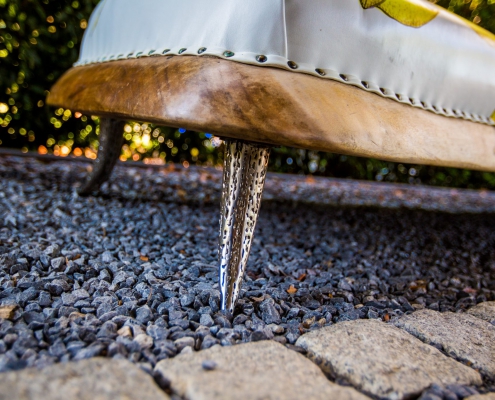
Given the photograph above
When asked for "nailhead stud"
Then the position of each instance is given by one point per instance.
(201, 50)
(320, 72)
(292, 65)
(228, 53)
(182, 50)
(261, 58)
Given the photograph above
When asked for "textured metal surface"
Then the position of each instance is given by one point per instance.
(245, 167)
(111, 141)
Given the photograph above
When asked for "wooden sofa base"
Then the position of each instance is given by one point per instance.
(273, 106)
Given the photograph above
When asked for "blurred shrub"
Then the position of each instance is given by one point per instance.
(39, 40)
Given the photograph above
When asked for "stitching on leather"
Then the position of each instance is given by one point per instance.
(289, 66)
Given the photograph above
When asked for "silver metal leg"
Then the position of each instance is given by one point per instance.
(244, 174)
(111, 141)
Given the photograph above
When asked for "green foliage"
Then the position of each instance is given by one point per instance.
(40, 39)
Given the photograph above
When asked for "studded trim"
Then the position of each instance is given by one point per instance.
(283, 63)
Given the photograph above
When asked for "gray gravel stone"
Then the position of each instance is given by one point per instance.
(462, 336)
(93, 350)
(484, 311)
(90, 379)
(206, 320)
(269, 314)
(129, 249)
(263, 370)
(184, 342)
(144, 341)
(382, 360)
(144, 314)
(57, 263)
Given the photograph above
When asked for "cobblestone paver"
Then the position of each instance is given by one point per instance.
(488, 396)
(462, 336)
(383, 360)
(95, 379)
(260, 370)
(484, 311)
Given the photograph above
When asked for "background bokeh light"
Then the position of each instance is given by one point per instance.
(40, 39)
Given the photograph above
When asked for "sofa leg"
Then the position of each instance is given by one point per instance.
(111, 141)
(244, 174)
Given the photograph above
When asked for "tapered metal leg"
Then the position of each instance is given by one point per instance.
(244, 174)
(111, 141)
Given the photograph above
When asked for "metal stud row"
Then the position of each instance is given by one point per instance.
(262, 59)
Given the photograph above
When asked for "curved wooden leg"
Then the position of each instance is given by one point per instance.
(111, 141)
(245, 167)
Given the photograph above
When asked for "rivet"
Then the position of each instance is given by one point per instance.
(151, 52)
(201, 50)
(129, 55)
(228, 53)
(182, 50)
(320, 72)
(139, 54)
(383, 90)
(261, 58)
(423, 104)
(165, 51)
(292, 65)
(345, 78)
(399, 97)
(412, 100)
(365, 84)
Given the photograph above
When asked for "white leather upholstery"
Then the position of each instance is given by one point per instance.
(444, 66)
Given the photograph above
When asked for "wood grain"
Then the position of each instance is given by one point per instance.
(273, 106)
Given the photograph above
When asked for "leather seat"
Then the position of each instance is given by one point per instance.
(411, 51)
(401, 80)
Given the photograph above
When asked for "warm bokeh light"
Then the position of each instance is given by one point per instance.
(42, 150)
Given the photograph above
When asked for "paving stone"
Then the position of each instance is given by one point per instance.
(484, 311)
(382, 360)
(462, 336)
(98, 378)
(488, 396)
(262, 370)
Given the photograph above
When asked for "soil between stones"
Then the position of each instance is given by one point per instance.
(132, 273)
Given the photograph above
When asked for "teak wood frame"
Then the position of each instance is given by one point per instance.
(268, 106)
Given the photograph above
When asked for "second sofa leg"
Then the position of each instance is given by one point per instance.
(245, 166)
(111, 141)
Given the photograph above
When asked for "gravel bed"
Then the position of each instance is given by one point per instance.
(132, 273)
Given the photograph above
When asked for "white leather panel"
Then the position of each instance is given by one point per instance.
(443, 66)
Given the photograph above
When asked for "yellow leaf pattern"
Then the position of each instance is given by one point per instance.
(413, 13)
(371, 3)
(493, 116)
